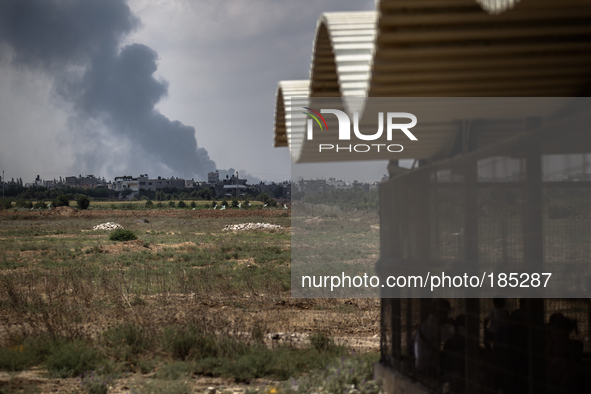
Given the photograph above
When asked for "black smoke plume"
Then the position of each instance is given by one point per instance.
(77, 43)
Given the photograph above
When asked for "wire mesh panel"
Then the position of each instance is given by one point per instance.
(509, 212)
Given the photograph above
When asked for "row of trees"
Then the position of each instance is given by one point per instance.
(61, 200)
(83, 202)
(38, 193)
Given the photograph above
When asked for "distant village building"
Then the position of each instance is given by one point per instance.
(145, 183)
(337, 184)
(312, 185)
(361, 185)
(126, 183)
(85, 182)
(37, 183)
(213, 177)
(231, 186)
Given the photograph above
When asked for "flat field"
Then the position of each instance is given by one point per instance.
(184, 307)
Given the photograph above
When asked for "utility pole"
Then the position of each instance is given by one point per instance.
(3, 183)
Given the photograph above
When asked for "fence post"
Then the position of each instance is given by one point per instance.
(472, 305)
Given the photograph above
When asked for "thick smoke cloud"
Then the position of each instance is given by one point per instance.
(77, 43)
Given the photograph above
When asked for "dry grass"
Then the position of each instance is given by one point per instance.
(61, 281)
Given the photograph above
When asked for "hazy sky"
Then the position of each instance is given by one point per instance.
(109, 87)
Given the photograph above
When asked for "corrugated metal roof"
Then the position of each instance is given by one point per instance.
(288, 113)
(497, 6)
(450, 48)
(342, 55)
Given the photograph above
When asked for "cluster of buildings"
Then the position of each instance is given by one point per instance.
(322, 185)
(128, 185)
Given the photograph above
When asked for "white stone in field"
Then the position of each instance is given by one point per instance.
(251, 226)
(108, 226)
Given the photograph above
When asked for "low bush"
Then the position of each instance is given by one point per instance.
(149, 204)
(193, 204)
(17, 358)
(174, 370)
(61, 201)
(70, 359)
(322, 342)
(126, 340)
(5, 203)
(350, 375)
(83, 202)
(182, 204)
(24, 204)
(122, 235)
(40, 205)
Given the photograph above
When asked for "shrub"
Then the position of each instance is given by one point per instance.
(61, 201)
(17, 358)
(174, 370)
(193, 205)
(83, 202)
(271, 202)
(122, 235)
(224, 203)
(322, 342)
(5, 203)
(235, 203)
(182, 204)
(171, 204)
(70, 359)
(126, 339)
(24, 204)
(188, 342)
(350, 375)
(213, 204)
(159, 205)
(149, 204)
(40, 205)
(264, 197)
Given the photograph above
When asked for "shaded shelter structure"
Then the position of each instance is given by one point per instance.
(508, 192)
